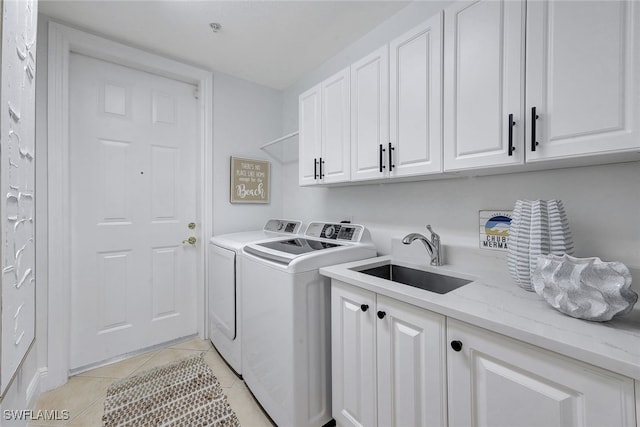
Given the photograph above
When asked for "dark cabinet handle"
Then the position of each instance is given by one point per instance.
(534, 118)
(381, 314)
(381, 158)
(315, 168)
(391, 165)
(321, 172)
(456, 345)
(511, 125)
(364, 307)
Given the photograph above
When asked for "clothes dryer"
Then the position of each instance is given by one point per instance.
(224, 308)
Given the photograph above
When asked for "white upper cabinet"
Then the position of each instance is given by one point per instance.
(370, 115)
(324, 120)
(582, 81)
(396, 106)
(416, 101)
(523, 82)
(309, 116)
(336, 115)
(483, 84)
(583, 77)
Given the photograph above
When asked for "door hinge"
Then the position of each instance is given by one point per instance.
(196, 92)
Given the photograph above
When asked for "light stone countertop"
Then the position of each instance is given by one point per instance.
(493, 301)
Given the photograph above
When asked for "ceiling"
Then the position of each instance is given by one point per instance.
(273, 43)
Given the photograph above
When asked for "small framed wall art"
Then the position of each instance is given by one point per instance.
(250, 180)
(494, 229)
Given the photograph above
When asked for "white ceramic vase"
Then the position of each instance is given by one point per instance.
(585, 288)
(538, 227)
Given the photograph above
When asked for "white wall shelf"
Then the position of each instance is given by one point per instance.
(283, 149)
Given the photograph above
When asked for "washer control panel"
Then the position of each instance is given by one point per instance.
(333, 231)
(283, 226)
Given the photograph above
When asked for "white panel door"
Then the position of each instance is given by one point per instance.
(353, 350)
(583, 77)
(416, 100)
(133, 192)
(483, 83)
(370, 115)
(497, 381)
(411, 365)
(310, 137)
(335, 161)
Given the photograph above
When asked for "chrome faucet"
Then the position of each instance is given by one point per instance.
(433, 245)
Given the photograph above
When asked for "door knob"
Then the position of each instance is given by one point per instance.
(456, 345)
(191, 240)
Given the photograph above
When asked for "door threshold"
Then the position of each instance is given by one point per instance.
(131, 354)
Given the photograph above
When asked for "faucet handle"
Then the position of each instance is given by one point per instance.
(434, 235)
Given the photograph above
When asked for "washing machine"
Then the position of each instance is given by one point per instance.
(224, 284)
(286, 350)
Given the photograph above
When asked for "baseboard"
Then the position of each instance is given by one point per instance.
(33, 390)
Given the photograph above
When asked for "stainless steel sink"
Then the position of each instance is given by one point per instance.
(426, 280)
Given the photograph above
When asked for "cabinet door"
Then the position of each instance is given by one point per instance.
(483, 83)
(583, 77)
(498, 381)
(411, 365)
(336, 130)
(353, 369)
(370, 115)
(416, 100)
(309, 116)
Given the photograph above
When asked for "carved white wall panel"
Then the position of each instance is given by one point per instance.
(17, 136)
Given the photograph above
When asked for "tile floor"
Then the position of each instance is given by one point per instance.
(83, 396)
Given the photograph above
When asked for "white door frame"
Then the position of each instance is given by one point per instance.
(62, 42)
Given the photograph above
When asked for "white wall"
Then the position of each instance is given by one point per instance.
(22, 393)
(245, 116)
(602, 202)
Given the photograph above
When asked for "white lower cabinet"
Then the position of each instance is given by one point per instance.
(411, 365)
(353, 355)
(496, 381)
(395, 364)
(388, 361)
